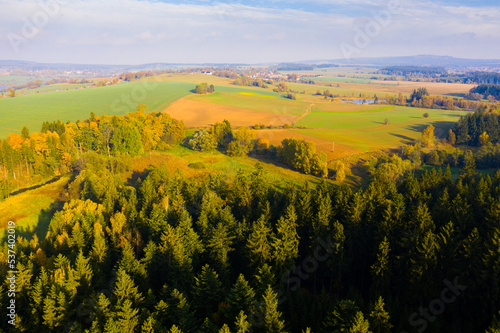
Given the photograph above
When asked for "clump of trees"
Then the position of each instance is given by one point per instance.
(485, 91)
(281, 87)
(202, 141)
(204, 88)
(301, 155)
(471, 127)
(221, 135)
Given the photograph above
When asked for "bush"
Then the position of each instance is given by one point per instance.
(235, 148)
(202, 141)
(433, 158)
(339, 169)
(426, 115)
(197, 165)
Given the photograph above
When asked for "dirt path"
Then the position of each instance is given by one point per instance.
(308, 111)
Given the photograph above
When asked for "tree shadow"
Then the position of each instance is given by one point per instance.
(405, 139)
(438, 125)
(462, 95)
(34, 187)
(42, 226)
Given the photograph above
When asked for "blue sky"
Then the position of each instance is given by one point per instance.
(244, 31)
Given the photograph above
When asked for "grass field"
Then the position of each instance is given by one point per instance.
(32, 110)
(16, 79)
(52, 88)
(366, 131)
(31, 210)
(260, 102)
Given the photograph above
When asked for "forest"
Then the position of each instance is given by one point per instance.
(162, 252)
(414, 71)
(167, 253)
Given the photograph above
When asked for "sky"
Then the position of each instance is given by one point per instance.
(244, 31)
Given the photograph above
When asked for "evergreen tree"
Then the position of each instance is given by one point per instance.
(207, 292)
(240, 299)
(272, 322)
(286, 241)
(379, 318)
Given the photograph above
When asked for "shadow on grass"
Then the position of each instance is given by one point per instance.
(441, 126)
(406, 139)
(34, 187)
(462, 95)
(42, 225)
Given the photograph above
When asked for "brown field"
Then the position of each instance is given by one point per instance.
(200, 114)
(434, 88)
(276, 136)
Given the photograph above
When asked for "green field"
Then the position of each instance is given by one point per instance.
(367, 130)
(32, 110)
(32, 209)
(16, 79)
(262, 101)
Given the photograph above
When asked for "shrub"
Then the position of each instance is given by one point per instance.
(197, 165)
(202, 141)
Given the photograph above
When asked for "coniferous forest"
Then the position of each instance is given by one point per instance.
(168, 253)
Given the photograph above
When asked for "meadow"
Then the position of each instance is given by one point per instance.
(366, 130)
(32, 110)
(32, 209)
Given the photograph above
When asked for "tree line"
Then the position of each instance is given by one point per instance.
(484, 122)
(30, 157)
(485, 91)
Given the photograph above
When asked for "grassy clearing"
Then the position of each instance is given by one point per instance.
(31, 210)
(216, 162)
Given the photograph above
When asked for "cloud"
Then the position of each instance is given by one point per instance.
(134, 31)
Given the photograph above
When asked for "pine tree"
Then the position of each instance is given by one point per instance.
(379, 318)
(126, 317)
(83, 271)
(360, 325)
(241, 323)
(495, 326)
(207, 292)
(225, 329)
(381, 269)
(259, 242)
(125, 289)
(286, 241)
(341, 319)
(38, 293)
(269, 309)
(240, 298)
(219, 245)
(174, 329)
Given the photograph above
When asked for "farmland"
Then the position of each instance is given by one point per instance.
(366, 130)
(32, 110)
(354, 128)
